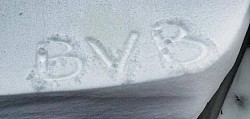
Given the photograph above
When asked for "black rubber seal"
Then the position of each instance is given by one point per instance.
(213, 107)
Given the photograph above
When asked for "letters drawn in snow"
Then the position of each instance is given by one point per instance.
(59, 58)
(116, 63)
(179, 45)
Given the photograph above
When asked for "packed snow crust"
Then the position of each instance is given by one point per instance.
(73, 45)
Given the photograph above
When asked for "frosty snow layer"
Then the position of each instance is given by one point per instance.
(180, 51)
(54, 46)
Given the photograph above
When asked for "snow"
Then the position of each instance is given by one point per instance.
(71, 45)
(236, 104)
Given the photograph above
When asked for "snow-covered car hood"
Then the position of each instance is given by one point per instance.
(73, 45)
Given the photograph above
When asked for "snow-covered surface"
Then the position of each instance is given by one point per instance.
(236, 104)
(70, 45)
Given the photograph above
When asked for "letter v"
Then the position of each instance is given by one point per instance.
(109, 60)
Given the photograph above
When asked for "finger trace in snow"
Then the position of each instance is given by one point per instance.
(117, 63)
(57, 65)
(181, 46)
(41, 62)
(58, 57)
(99, 48)
(63, 68)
